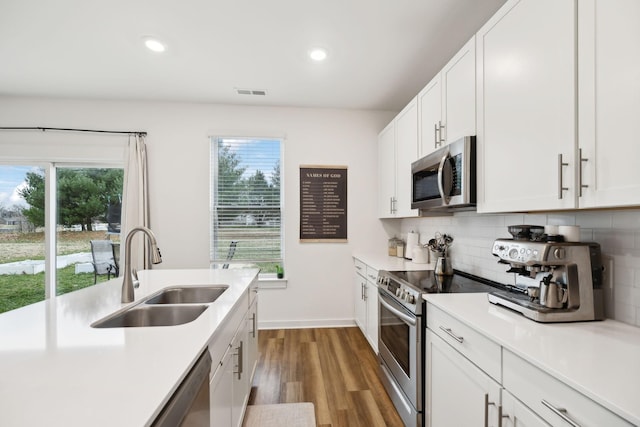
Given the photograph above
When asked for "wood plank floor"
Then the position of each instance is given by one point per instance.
(334, 368)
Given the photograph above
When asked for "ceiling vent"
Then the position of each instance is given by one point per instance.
(251, 92)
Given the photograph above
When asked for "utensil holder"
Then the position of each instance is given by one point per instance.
(443, 266)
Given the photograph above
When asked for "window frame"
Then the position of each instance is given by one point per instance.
(214, 248)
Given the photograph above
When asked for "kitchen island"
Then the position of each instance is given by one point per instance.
(56, 370)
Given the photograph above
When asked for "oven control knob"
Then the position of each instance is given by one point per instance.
(398, 292)
(411, 299)
(559, 253)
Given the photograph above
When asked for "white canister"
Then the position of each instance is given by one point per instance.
(420, 255)
(571, 233)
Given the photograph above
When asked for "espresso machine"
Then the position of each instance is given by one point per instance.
(562, 280)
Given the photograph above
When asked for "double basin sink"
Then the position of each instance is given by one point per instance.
(170, 306)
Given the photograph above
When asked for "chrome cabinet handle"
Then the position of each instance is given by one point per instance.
(390, 205)
(435, 136)
(255, 325)
(561, 188)
(486, 411)
(239, 365)
(358, 267)
(365, 296)
(580, 184)
(361, 291)
(450, 333)
(561, 412)
(441, 126)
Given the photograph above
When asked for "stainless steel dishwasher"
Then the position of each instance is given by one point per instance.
(189, 405)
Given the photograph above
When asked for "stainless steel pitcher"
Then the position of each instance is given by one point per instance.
(552, 294)
(443, 266)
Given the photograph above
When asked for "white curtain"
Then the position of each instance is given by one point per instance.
(135, 201)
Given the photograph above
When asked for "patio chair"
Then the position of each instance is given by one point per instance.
(231, 253)
(103, 261)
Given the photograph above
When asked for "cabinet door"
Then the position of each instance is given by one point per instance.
(459, 94)
(429, 116)
(252, 341)
(360, 305)
(516, 414)
(372, 314)
(457, 392)
(406, 153)
(387, 171)
(240, 387)
(526, 73)
(220, 396)
(609, 68)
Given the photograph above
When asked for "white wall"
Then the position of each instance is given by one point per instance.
(319, 275)
(617, 231)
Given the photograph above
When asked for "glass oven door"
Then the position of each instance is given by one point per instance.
(399, 346)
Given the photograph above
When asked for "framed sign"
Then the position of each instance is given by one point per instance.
(323, 204)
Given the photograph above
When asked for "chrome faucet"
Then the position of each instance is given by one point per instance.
(130, 274)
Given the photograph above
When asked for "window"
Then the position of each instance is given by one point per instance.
(73, 204)
(246, 203)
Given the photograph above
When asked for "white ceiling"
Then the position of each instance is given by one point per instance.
(381, 52)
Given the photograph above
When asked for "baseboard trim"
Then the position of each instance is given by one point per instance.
(305, 324)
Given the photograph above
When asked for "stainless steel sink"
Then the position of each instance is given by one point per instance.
(187, 295)
(151, 315)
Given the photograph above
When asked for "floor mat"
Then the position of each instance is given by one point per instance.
(280, 415)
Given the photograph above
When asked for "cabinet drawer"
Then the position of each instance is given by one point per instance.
(540, 392)
(221, 340)
(485, 353)
(372, 274)
(361, 267)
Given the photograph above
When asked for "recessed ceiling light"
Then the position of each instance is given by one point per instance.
(154, 45)
(318, 54)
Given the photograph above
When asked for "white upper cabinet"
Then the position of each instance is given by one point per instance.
(526, 81)
(397, 149)
(447, 104)
(609, 96)
(387, 171)
(459, 94)
(406, 153)
(430, 116)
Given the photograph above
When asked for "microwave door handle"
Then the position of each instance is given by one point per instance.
(444, 198)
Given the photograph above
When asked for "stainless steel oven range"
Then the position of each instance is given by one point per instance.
(401, 330)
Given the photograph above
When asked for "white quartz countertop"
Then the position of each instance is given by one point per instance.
(55, 370)
(382, 261)
(599, 359)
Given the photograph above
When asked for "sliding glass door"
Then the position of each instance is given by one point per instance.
(59, 229)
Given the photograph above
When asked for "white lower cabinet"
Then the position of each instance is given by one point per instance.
(236, 350)
(252, 339)
(366, 302)
(459, 393)
(516, 414)
(554, 401)
(219, 396)
(473, 381)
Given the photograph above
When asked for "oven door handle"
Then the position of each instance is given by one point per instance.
(407, 319)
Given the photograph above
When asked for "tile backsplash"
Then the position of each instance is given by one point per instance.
(617, 231)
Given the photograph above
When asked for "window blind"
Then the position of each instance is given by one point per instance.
(246, 201)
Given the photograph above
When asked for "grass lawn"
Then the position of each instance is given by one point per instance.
(18, 290)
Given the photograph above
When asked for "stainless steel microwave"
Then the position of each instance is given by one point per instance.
(445, 180)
